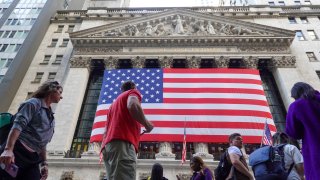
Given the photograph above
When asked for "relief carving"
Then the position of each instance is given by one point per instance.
(111, 62)
(262, 49)
(166, 62)
(80, 62)
(251, 62)
(194, 62)
(284, 61)
(222, 61)
(67, 175)
(181, 26)
(138, 62)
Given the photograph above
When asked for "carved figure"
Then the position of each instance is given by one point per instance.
(159, 29)
(133, 30)
(221, 2)
(148, 31)
(225, 30)
(237, 30)
(210, 28)
(178, 25)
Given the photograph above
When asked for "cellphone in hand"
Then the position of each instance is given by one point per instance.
(11, 169)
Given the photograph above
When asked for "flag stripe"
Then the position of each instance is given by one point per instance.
(216, 101)
(212, 80)
(212, 85)
(214, 90)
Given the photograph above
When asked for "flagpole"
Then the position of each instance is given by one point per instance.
(264, 129)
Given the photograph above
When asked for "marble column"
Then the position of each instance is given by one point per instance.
(201, 150)
(68, 110)
(165, 148)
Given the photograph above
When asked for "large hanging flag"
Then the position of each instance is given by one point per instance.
(217, 102)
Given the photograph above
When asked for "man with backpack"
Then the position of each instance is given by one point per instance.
(232, 164)
(240, 168)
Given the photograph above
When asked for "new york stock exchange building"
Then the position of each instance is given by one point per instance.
(256, 43)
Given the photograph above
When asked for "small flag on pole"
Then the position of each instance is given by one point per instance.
(267, 137)
(184, 149)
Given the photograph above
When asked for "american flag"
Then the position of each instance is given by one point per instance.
(267, 137)
(217, 102)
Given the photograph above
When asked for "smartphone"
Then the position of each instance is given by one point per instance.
(11, 169)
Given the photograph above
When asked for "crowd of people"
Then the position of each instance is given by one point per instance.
(33, 128)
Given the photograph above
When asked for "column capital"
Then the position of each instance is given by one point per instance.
(165, 152)
(194, 61)
(80, 62)
(202, 151)
(166, 61)
(251, 62)
(283, 62)
(138, 61)
(111, 62)
(222, 61)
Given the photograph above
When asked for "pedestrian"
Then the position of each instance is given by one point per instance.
(157, 172)
(239, 169)
(32, 129)
(292, 156)
(200, 170)
(122, 135)
(303, 123)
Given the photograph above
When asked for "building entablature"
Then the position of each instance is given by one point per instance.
(261, 11)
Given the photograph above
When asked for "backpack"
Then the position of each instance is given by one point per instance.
(6, 122)
(223, 169)
(268, 163)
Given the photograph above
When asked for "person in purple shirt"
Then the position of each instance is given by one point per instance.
(303, 122)
(200, 170)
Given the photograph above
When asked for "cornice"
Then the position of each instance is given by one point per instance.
(236, 12)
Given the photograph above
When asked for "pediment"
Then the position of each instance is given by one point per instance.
(182, 24)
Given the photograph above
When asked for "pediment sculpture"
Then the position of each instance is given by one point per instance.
(179, 25)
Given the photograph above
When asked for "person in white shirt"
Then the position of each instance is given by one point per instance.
(292, 155)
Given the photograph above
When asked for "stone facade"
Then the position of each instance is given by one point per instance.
(251, 35)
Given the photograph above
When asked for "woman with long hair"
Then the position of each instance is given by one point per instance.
(32, 130)
(303, 122)
(157, 172)
(200, 170)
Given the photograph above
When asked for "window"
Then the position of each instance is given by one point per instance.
(307, 2)
(3, 47)
(298, 3)
(292, 20)
(70, 28)
(10, 48)
(312, 35)
(6, 34)
(38, 77)
(8, 63)
(318, 73)
(2, 62)
(58, 59)
(17, 47)
(12, 34)
(304, 20)
(60, 28)
(271, 3)
(300, 36)
(46, 59)
(281, 3)
(53, 43)
(1, 77)
(311, 56)
(51, 76)
(64, 43)
(1, 32)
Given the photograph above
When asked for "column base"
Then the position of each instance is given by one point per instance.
(165, 156)
(204, 156)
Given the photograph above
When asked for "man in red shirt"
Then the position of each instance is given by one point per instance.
(121, 140)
